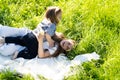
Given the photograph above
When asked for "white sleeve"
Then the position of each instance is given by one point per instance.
(52, 50)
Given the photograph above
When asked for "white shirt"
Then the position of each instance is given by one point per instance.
(50, 49)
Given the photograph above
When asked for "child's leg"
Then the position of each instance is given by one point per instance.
(11, 31)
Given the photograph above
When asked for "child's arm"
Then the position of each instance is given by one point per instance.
(41, 52)
(50, 40)
(49, 33)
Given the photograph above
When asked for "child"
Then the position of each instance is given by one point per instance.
(52, 18)
(46, 27)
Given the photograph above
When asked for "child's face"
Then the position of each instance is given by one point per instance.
(59, 15)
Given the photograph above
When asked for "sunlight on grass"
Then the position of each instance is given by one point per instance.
(94, 24)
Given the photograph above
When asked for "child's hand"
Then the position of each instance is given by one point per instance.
(41, 35)
(41, 32)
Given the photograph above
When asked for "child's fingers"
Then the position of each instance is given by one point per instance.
(41, 31)
(41, 35)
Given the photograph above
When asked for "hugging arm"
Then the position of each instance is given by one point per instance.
(50, 40)
(41, 52)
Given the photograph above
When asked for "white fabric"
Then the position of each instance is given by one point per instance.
(6, 31)
(9, 49)
(50, 68)
(11, 31)
(51, 50)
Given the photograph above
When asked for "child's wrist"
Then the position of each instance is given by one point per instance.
(40, 41)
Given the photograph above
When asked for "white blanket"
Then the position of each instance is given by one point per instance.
(51, 68)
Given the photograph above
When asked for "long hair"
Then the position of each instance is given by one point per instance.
(52, 13)
(58, 39)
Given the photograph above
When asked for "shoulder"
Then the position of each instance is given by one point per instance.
(49, 23)
(52, 25)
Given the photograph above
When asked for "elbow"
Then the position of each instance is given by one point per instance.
(41, 56)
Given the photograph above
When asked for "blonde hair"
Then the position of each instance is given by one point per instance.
(52, 13)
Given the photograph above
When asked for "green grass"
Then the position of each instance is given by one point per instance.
(13, 75)
(94, 24)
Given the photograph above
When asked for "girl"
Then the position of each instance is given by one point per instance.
(52, 18)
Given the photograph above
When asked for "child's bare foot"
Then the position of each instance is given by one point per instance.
(14, 55)
(2, 41)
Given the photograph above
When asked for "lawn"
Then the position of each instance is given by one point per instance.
(94, 24)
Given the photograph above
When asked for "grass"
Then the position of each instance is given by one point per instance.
(13, 75)
(94, 24)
